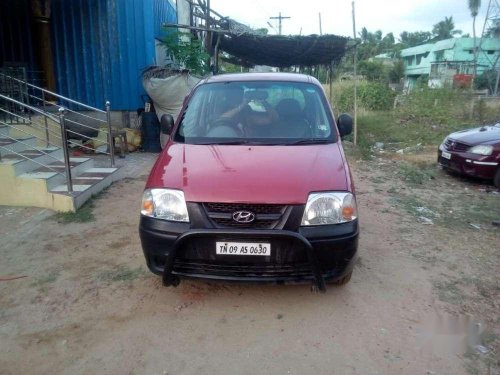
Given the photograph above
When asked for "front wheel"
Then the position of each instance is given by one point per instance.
(343, 280)
(496, 179)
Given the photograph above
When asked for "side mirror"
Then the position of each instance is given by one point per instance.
(166, 124)
(344, 123)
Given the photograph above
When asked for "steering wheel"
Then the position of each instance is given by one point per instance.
(224, 127)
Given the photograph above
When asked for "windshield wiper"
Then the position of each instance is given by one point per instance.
(238, 142)
(310, 141)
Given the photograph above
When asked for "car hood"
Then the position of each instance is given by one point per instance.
(250, 174)
(485, 134)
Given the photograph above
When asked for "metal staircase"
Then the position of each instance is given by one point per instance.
(38, 128)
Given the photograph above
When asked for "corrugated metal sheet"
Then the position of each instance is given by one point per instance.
(165, 12)
(16, 46)
(101, 47)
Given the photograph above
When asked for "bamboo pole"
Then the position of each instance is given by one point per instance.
(355, 137)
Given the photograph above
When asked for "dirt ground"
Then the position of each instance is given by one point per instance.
(424, 297)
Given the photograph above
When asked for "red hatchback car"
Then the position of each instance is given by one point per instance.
(473, 152)
(253, 185)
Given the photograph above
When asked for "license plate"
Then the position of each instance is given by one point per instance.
(446, 155)
(243, 248)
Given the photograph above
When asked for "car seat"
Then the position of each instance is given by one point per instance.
(292, 123)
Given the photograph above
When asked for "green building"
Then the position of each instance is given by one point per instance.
(449, 61)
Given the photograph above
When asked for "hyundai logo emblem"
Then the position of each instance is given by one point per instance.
(243, 216)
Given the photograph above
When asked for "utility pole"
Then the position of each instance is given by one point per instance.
(279, 18)
(490, 22)
(208, 36)
(355, 76)
(320, 28)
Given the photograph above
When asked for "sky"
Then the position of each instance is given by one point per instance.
(386, 15)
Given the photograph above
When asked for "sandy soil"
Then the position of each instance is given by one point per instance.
(88, 305)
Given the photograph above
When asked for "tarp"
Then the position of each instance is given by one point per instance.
(284, 51)
(168, 93)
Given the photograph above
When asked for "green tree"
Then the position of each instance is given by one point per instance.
(445, 29)
(494, 31)
(187, 51)
(474, 6)
(396, 72)
(412, 39)
(372, 70)
(262, 31)
(364, 35)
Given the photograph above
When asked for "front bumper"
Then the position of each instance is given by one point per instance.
(468, 164)
(307, 254)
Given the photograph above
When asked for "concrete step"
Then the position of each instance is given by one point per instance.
(78, 166)
(55, 175)
(32, 159)
(7, 145)
(89, 183)
(4, 130)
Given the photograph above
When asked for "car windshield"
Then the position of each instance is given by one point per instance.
(282, 113)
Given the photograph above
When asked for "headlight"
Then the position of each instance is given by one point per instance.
(166, 204)
(329, 208)
(481, 150)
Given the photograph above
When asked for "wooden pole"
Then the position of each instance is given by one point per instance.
(331, 84)
(355, 137)
(208, 36)
(41, 12)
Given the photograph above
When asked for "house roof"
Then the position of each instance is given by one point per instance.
(461, 43)
(417, 50)
(444, 44)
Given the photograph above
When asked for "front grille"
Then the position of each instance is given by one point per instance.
(189, 267)
(255, 208)
(452, 145)
(267, 216)
(257, 224)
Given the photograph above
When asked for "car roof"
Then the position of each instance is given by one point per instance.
(245, 77)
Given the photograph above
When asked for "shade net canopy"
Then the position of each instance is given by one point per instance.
(283, 51)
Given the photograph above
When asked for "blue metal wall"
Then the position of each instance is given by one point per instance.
(101, 47)
(165, 12)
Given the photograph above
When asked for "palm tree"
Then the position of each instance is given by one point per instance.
(474, 6)
(445, 29)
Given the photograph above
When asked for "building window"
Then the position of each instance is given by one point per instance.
(419, 58)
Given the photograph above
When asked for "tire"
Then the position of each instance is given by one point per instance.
(496, 179)
(343, 280)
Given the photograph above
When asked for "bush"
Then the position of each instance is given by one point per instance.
(433, 106)
(371, 95)
(487, 80)
(372, 70)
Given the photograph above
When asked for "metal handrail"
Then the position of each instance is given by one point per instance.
(69, 110)
(61, 121)
(33, 96)
(54, 94)
(48, 131)
(31, 147)
(25, 132)
(31, 108)
(15, 115)
(82, 146)
(54, 134)
(83, 125)
(34, 161)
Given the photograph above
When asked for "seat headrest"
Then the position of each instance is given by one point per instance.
(287, 108)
